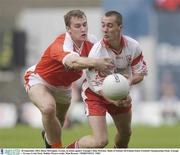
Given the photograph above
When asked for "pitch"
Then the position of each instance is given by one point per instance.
(23, 136)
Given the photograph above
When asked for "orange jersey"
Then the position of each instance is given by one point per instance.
(51, 66)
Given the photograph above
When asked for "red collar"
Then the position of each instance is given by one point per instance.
(107, 45)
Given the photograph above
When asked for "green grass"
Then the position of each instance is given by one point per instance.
(23, 136)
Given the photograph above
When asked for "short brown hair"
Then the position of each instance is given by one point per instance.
(116, 14)
(73, 13)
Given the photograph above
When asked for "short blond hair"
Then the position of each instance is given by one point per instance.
(73, 13)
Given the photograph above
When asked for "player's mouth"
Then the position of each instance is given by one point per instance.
(84, 35)
(106, 36)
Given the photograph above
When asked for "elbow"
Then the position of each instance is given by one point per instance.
(140, 78)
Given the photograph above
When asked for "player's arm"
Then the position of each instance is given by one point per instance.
(135, 79)
(76, 62)
(139, 68)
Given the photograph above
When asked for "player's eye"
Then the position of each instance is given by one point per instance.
(77, 25)
(85, 24)
(103, 25)
(109, 25)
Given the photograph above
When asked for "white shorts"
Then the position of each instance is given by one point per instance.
(61, 94)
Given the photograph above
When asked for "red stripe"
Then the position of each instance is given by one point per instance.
(26, 77)
(136, 60)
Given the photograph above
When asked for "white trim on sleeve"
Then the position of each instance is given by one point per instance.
(64, 59)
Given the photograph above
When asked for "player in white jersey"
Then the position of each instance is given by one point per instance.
(128, 60)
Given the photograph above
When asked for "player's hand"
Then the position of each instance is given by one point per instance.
(122, 103)
(126, 102)
(103, 64)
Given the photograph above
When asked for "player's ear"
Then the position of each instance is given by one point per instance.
(68, 29)
(120, 27)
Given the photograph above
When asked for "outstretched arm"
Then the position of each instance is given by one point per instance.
(78, 63)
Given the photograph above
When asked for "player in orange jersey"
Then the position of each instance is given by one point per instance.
(48, 83)
(128, 60)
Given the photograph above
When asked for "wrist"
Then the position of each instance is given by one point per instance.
(93, 63)
(130, 81)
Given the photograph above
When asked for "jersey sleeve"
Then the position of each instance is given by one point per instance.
(138, 64)
(59, 54)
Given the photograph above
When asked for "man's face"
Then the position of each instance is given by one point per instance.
(111, 30)
(78, 29)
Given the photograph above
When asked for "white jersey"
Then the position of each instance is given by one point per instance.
(129, 61)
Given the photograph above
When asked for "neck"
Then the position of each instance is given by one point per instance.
(116, 42)
(115, 45)
(78, 43)
(78, 46)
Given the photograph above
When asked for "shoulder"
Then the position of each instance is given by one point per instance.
(97, 45)
(62, 43)
(130, 41)
(132, 46)
(60, 39)
(97, 49)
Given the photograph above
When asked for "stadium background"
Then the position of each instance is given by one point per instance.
(27, 27)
